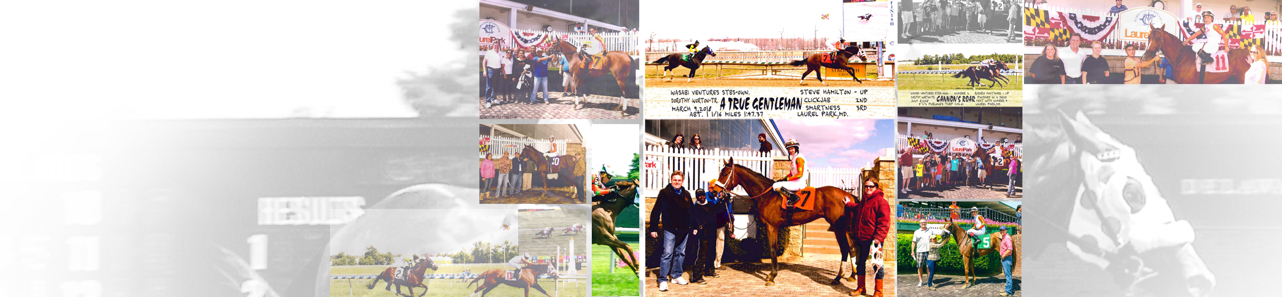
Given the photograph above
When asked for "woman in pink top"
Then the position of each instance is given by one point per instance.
(487, 174)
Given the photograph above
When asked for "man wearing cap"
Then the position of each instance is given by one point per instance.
(1007, 251)
(797, 175)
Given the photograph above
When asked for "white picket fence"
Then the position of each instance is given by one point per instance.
(699, 166)
(501, 144)
(614, 41)
(844, 178)
(1272, 30)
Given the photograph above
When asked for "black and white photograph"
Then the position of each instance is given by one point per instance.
(959, 21)
(1150, 192)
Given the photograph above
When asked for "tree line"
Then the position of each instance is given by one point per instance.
(479, 252)
(958, 58)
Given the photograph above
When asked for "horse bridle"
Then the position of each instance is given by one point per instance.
(731, 177)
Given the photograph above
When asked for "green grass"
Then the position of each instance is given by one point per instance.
(439, 287)
(934, 82)
(620, 283)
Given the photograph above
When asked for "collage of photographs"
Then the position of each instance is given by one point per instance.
(868, 148)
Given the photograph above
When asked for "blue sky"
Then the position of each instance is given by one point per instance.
(840, 143)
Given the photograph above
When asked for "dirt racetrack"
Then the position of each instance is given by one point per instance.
(757, 82)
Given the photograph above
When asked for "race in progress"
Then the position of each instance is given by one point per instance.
(615, 163)
(532, 164)
(979, 75)
(555, 60)
(807, 59)
(717, 209)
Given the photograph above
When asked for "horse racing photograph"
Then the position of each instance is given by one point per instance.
(553, 254)
(1151, 191)
(959, 21)
(532, 164)
(1103, 42)
(615, 166)
(960, 153)
(807, 45)
(959, 248)
(959, 75)
(543, 59)
(769, 207)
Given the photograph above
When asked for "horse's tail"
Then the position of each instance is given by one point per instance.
(959, 74)
(797, 62)
(661, 60)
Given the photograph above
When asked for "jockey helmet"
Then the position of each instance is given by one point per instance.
(974, 209)
(605, 168)
(792, 143)
(527, 256)
(1207, 12)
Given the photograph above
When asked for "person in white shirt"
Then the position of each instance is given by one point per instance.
(921, 250)
(1213, 34)
(493, 63)
(507, 74)
(1259, 66)
(1073, 58)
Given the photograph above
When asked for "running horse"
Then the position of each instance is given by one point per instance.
(605, 212)
(970, 253)
(815, 62)
(1184, 60)
(674, 60)
(829, 204)
(564, 166)
(576, 229)
(400, 277)
(1117, 221)
(617, 64)
(529, 278)
(976, 74)
(544, 233)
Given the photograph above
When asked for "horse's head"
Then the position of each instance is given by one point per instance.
(550, 271)
(426, 262)
(1157, 39)
(1001, 65)
(1116, 187)
(708, 50)
(560, 46)
(727, 179)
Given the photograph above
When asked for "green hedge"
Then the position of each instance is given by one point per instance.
(950, 260)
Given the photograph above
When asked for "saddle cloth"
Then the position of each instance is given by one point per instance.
(1221, 64)
(508, 275)
(805, 199)
(401, 275)
(827, 59)
(686, 57)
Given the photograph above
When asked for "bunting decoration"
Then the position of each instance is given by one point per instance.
(531, 40)
(937, 145)
(1090, 27)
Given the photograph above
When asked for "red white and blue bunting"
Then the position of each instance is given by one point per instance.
(1090, 27)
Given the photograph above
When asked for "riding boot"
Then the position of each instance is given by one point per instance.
(859, 287)
(877, 289)
(1206, 57)
(792, 197)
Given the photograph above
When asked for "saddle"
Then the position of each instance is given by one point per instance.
(829, 58)
(1221, 64)
(805, 200)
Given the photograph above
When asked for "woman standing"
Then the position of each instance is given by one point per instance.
(871, 226)
(1048, 69)
(1259, 66)
(487, 174)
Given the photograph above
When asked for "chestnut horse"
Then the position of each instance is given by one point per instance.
(815, 61)
(400, 277)
(565, 170)
(617, 64)
(968, 251)
(674, 61)
(829, 204)
(1184, 60)
(605, 212)
(529, 278)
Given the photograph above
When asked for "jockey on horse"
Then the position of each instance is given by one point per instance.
(797, 175)
(409, 263)
(520, 262)
(693, 48)
(839, 46)
(1213, 36)
(978, 229)
(597, 46)
(989, 65)
(552, 152)
(602, 184)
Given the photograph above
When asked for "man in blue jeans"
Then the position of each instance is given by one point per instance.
(672, 208)
(1007, 250)
(493, 65)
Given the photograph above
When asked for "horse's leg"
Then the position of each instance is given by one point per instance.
(488, 289)
(852, 74)
(540, 288)
(623, 94)
(527, 291)
(691, 76)
(773, 233)
(819, 73)
(804, 74)
(372, 284)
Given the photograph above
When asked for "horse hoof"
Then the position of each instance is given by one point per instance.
(770, 283)
(836, 281)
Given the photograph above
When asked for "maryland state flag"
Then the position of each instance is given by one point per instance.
(1036, 18)
(1233, 31)
(1059, 34)
(1251, 43)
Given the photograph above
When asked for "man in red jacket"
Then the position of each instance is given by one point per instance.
(871, 224)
